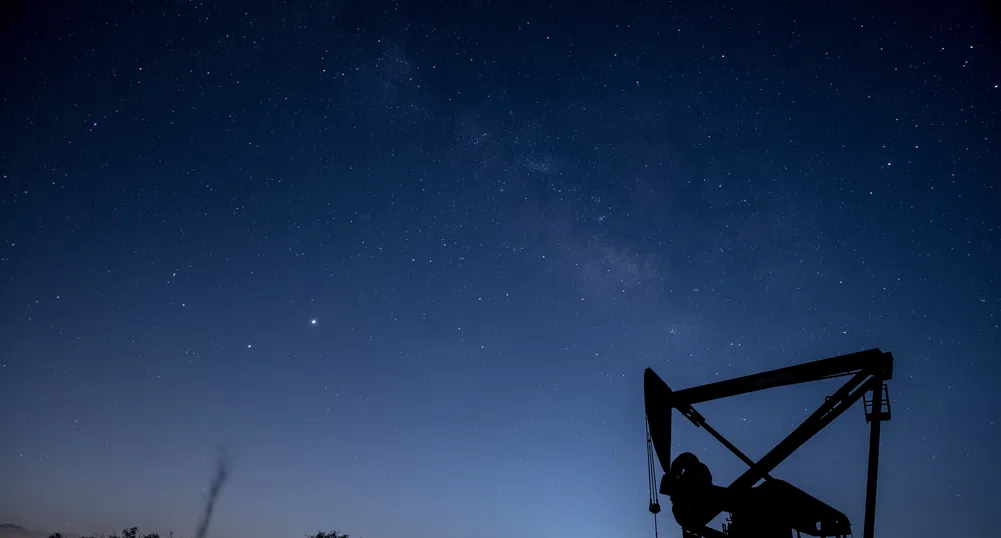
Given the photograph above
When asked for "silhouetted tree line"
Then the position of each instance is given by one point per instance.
(133, 532)
(218, 480)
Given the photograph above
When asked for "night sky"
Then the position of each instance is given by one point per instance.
(408, 260)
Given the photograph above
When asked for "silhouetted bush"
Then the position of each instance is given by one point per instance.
(331, 534)
(133, 532)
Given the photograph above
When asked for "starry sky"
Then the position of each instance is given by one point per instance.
(408, 260)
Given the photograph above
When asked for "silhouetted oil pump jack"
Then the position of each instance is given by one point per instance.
(774, 508)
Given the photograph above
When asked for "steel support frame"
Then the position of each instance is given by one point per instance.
(869, 369)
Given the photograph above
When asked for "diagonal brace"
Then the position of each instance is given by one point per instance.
(696, 418)
(832, 408)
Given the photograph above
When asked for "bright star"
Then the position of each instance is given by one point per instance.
(312, 322)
